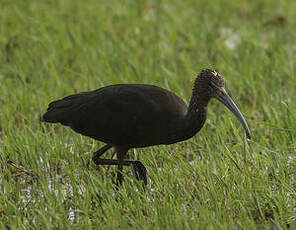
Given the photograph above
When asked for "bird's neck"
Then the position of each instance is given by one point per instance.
(195, 117)
(196, 113)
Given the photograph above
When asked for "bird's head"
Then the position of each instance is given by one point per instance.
(209, 83)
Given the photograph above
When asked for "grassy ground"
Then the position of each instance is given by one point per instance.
(216, 180)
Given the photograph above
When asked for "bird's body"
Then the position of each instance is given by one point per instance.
(129, 116)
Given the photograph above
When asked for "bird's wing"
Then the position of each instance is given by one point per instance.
(118, 114)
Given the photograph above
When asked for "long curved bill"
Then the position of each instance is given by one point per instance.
(223, 97)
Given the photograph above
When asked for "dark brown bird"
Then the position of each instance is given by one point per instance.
(129, 116)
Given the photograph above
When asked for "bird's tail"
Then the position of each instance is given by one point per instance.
(56, 112)
(60, 110)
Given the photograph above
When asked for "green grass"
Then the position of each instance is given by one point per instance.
(216, 180)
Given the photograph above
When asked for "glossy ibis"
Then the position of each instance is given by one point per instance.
(129, 116)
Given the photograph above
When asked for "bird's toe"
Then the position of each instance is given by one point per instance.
(140, 171)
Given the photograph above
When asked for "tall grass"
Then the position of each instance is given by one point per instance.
(216, 180)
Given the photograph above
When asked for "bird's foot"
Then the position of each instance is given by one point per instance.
(140, 171)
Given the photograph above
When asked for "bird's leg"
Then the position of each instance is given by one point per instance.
(139, 168)
(96, 155)
(120, 157)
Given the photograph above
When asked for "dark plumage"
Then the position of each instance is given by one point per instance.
(129, 116)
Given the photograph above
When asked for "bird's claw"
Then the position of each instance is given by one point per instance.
(140, 171)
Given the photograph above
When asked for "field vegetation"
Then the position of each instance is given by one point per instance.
(216, 180)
